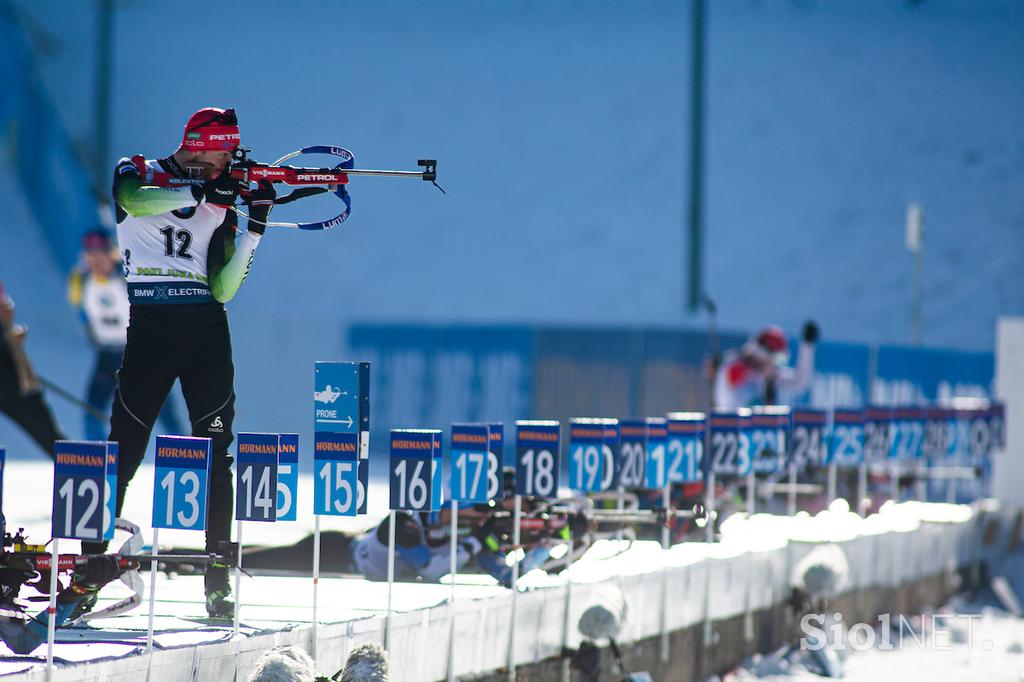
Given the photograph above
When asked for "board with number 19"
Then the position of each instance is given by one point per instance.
(537, 458)
(257, 476)
(182, 476)
(591, 458)
(470, 463)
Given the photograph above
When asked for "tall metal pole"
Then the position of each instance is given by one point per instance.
(696, 208)
(104, 77)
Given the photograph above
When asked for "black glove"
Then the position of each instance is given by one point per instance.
(99, 570)
(221, 191)
(261, 200)
(811, 333)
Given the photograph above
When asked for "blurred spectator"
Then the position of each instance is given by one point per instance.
(98, 290)
(755, 373)
(21, 395)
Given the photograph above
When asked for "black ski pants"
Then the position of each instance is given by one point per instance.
(190, 343)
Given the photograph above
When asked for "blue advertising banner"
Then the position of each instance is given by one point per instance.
(288, 477)
(470, 458)
(841, 376)
(256, 464)
(182, 482)
(685, 446)
(914, 376)
(537, 458)
(79, 479)
(441, 374)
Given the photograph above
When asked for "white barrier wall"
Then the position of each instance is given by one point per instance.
(1008, 475)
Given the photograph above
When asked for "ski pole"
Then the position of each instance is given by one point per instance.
(73, 399)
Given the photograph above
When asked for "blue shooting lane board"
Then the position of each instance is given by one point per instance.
(181, 482)
(610, 436)
(470, 463)
(848, 438)
(586, 460)
(256, 482)
(288, 477)
(335, 479)
(730, 444)
(769, 433)
(877, 433)
(808, 447)
(655, 452)
(341, 405)
(496, 461)
(685, 448)
(110, 513)
(537, 458)
(632, 454)
(409, 469)
(79, 481)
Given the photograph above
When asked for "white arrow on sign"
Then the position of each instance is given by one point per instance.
(347, 421)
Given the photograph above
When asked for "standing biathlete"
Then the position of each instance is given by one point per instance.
(182, 263)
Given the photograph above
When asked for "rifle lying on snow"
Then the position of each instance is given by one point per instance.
(22, 563)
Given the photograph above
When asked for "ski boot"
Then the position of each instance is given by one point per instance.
(218, 592)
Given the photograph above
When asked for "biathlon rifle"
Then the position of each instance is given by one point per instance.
(23, 563)
(310, 181)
